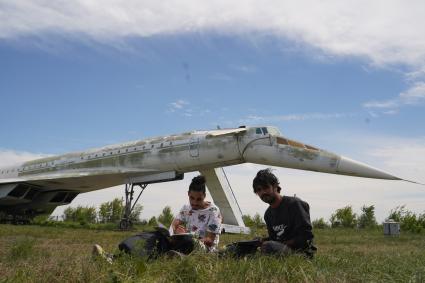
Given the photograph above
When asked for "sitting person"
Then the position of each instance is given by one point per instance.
(287, 219)
(197, 225)
(200, 218)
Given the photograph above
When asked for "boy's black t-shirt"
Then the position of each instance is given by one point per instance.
(290, 221)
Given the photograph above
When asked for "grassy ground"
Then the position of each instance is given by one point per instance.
(51, 254)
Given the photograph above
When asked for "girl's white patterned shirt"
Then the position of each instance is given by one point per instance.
(201, 221)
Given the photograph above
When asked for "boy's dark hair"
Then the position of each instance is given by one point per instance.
(265, 178)
(198, 184)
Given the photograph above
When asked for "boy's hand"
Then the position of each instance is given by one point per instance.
(207, 241)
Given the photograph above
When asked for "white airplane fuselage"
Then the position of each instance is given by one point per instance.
(27, 185)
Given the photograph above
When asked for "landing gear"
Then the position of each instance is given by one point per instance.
(126, 223)
(142, 182)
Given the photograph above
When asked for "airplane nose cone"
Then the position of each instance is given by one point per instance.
(347, 166)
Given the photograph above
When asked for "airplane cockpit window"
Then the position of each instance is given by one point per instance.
(261, 131)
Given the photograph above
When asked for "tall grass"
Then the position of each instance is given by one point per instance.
(21, 248)
(57, 254)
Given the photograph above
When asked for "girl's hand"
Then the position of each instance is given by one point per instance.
(180, 229)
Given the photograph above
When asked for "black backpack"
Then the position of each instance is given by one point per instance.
(152, 244)
(242, 248)
(146, 244)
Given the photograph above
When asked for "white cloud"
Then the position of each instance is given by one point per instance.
(295, 117)
(415, 95)
(248, 69)
(179, 104)
(12, 157)
(180, 107)
(386, 32)
(404, 154)
(381, 104)
(391, 112)
(221, 77)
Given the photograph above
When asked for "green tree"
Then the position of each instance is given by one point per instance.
(80, 214)
(247, 219)
(91, 214)
(408, 220)
(112, 211)
(166, 217)
(367, 218)
(68, 214)
(152, 221)
(397, 213)
(344, 217)
(117, 210)
(105, 212)
(258, 221)
(135, 214)
(255, 221)
(320, 224)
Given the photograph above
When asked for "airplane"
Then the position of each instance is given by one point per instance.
(39, 186)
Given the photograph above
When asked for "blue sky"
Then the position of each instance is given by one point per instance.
(87, 74)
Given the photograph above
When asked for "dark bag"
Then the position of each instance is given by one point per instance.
(242, 248)
(182, 243)
(146, 244)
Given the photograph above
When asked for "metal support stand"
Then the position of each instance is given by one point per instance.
(126, 223)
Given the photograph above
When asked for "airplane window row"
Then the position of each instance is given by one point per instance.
(126, 150)
(51, 164)
(30, 167)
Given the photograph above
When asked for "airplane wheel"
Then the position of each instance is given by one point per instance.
(125, 224)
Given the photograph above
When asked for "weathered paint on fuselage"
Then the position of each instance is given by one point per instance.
(38, 186)
(181, 153)
(191, 151)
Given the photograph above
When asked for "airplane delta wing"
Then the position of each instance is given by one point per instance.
(42, 193)
(64, 179)
(40, 185)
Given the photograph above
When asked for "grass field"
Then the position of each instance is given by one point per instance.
(51, 254)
